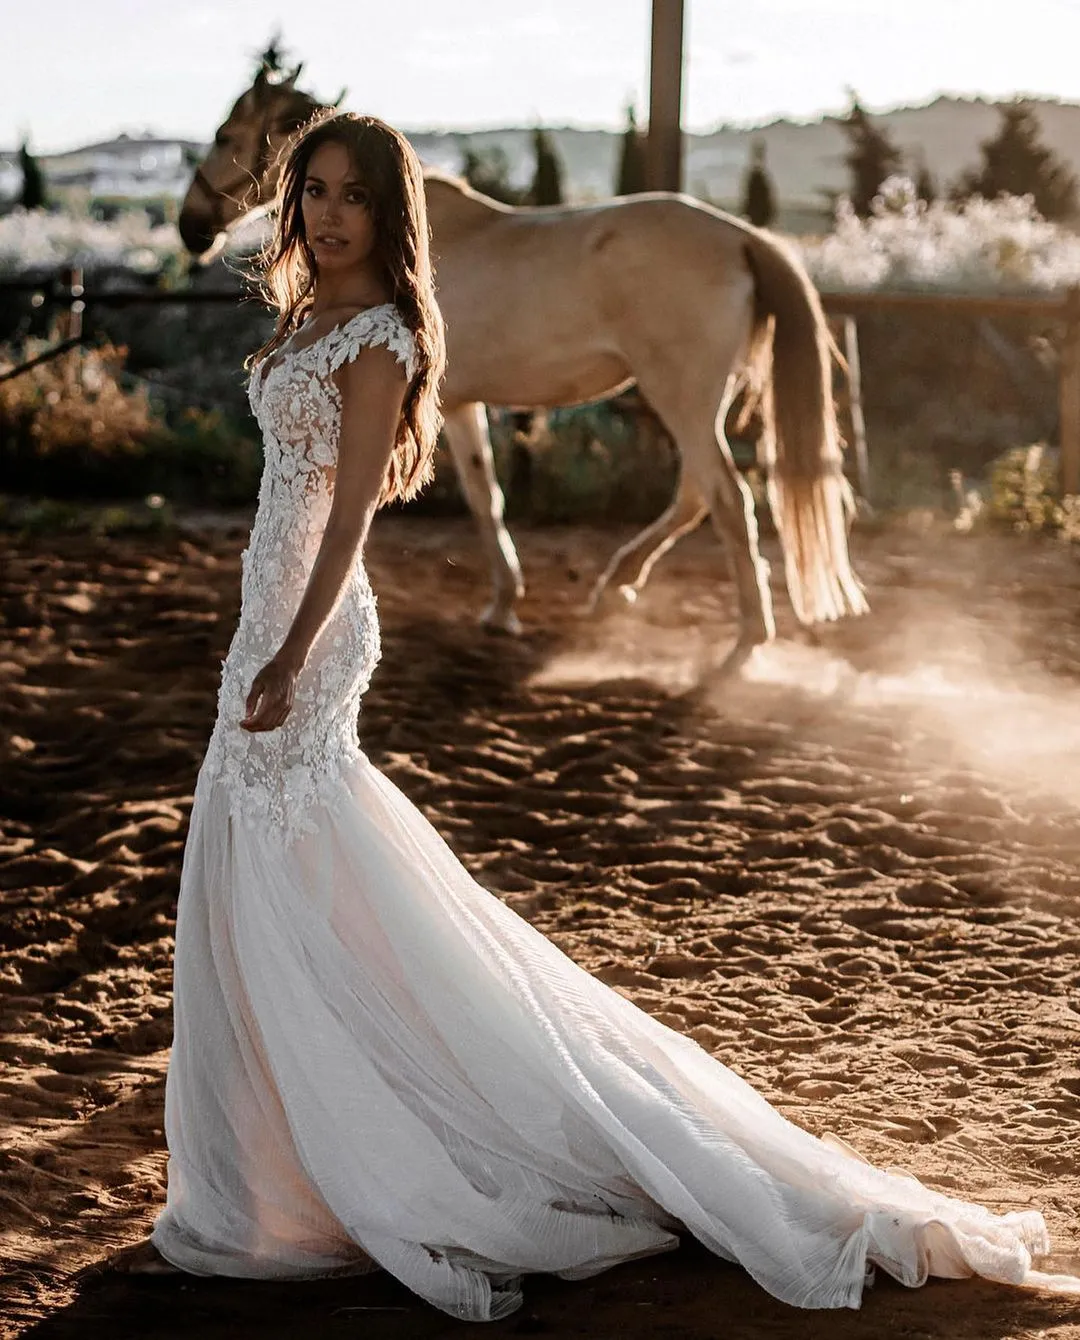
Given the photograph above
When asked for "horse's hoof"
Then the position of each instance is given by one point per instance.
(607, 599)
(738, 660)
(501, 621)
(598, 599)
(810, 634)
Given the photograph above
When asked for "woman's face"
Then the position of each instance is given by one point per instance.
(338, 221)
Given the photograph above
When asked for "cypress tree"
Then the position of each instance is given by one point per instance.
(631, 178)
(925, 188)
(759, 198)
(488, 171)
(1016, 162)
(33, 195)
(871, 158)
(547, 179)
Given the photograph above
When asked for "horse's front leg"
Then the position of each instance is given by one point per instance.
(467, 437)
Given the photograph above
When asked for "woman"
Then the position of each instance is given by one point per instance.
(376, 1062)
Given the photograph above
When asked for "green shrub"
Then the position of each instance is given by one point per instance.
(1025, 492)
(46, 516)
(78, 426)
(204, 459)
(593, 462)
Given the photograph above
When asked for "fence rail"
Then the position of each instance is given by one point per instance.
(1063, 307)
(866, 301)
(67, 292)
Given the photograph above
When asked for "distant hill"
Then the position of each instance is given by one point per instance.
(128, 167)
(806, 159)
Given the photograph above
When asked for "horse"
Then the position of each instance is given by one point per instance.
(562, 305)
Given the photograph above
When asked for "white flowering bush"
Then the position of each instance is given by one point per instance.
(979, 246)
(38, 239)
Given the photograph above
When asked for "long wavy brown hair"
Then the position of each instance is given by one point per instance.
(287, 271)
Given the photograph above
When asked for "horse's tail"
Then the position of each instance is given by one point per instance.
(790, 380)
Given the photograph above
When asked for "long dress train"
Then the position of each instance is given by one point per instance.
(377, 1063)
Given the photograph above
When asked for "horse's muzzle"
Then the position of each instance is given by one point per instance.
(197, 231)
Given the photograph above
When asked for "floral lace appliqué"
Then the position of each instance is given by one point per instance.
(274, 778)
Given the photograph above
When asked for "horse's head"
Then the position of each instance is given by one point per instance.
(241, 170)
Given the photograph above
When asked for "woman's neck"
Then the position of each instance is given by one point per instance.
(363, 289)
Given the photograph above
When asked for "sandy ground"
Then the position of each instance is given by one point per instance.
(853, 877)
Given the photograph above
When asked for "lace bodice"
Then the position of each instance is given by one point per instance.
(293, 395)
(274, 777)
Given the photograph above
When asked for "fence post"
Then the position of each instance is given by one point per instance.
(1069, 395)
(855, 405)
(69, 326)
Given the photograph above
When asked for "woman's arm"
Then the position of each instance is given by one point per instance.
(372, 395)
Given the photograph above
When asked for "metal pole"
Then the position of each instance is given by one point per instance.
(663, 153)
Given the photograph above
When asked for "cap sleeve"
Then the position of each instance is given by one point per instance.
(376, 325)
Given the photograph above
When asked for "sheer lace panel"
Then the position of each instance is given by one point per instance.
(274, 777)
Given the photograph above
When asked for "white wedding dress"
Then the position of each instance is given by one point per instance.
(377, 1063)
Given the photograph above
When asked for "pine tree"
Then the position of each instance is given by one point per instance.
(871, 158)
(631, 179)
(488, 171)
(547, 180)
(925, 187)
(759, 198)
(1016, 162)
(33, 195)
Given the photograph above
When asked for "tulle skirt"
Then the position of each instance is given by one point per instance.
(377, 1063)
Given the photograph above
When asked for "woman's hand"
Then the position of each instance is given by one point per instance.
(271, 697)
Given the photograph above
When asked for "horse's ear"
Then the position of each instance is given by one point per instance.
(290, 79)
(340, 98)
(260, 79)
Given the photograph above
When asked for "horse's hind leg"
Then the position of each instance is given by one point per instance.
(467, 437)
(698, 428)
(630, 566)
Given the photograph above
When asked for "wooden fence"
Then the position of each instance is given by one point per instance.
(67, 293)
(1063, 308)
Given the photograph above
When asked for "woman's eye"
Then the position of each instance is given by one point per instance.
(311, 189)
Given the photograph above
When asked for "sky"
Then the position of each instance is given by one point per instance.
(83, 70)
